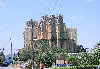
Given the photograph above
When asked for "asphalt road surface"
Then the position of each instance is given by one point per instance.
(9, 67)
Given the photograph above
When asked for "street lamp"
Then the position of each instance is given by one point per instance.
(11, 50)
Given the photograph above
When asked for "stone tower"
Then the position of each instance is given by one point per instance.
(52, 29)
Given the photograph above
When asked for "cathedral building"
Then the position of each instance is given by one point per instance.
(52, 29)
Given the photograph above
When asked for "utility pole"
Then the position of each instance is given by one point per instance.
(11, 50)
(33, 67)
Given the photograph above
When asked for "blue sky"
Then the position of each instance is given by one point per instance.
(83, 14)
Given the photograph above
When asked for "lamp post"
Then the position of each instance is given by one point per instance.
(33, 67)
(11, 50)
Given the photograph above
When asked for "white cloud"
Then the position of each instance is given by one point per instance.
(1, 3)
(89, 0)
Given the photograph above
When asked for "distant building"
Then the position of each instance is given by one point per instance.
(52, 29)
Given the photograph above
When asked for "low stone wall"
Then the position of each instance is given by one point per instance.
(26, 65)
(18, 64)
(63, 56)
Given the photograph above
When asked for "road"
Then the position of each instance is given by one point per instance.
(9, 67)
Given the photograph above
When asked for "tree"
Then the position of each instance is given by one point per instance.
(72, 59)
(81, 49)
(84, 59)
(1, 54)
(89, 59)
(59, 50)
(24, 55)
(97, 45)
(97, 54)
(44, 54)
(47, 58)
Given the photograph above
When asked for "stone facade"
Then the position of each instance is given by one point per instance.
(52, 29)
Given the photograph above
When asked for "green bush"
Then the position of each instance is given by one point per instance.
(73, 60)
(78, 67)
(0, 59)
(15, 58)
(1, 62)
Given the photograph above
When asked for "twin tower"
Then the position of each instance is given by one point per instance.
(52, 29)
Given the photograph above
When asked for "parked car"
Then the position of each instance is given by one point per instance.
(5, 64)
